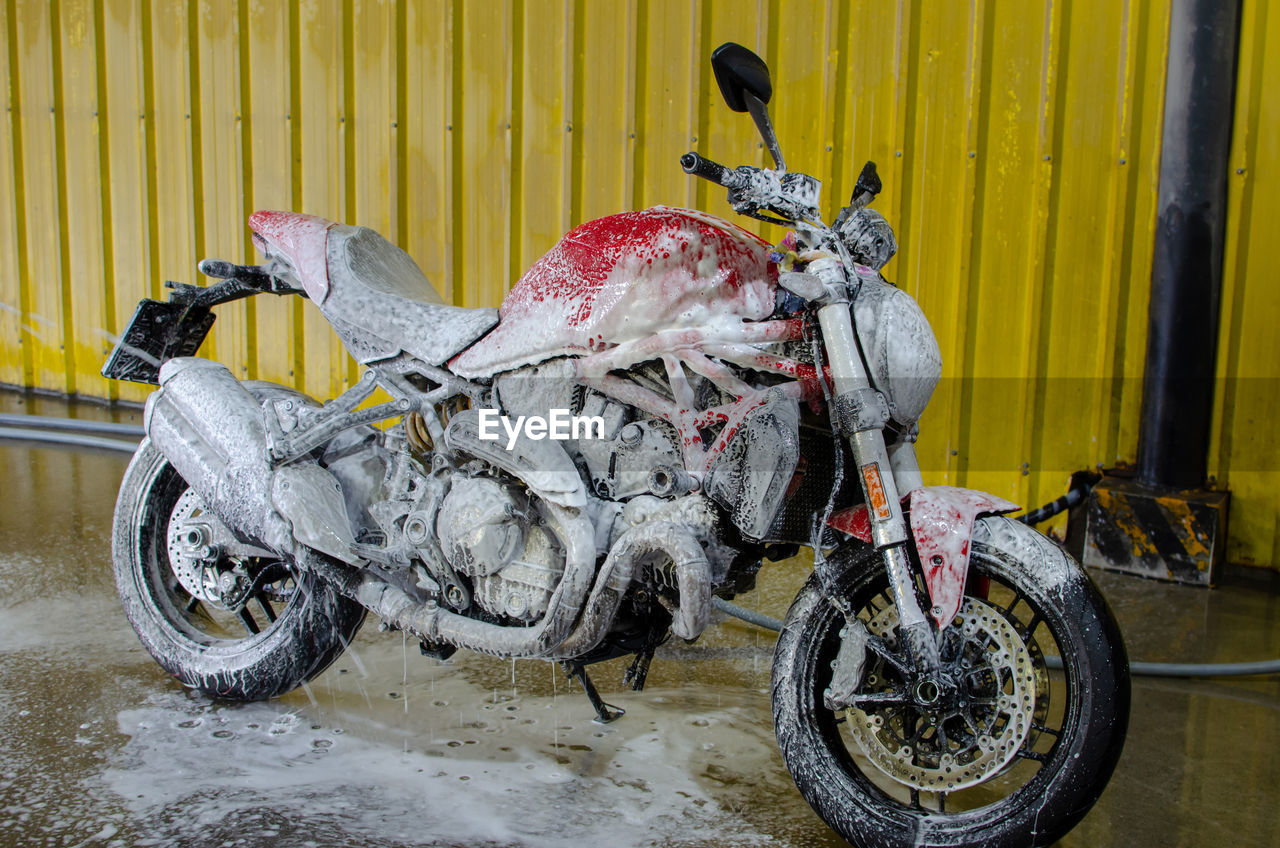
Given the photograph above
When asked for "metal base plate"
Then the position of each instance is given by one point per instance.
(1165, 534)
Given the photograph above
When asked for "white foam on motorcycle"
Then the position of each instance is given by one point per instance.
(1039, 556)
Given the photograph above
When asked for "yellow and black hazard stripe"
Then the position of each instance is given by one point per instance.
(1170, 535)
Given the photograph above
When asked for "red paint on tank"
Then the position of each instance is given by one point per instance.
(624, 277)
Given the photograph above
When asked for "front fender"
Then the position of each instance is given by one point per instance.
(942, 526)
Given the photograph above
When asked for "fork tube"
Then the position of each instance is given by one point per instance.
(906, 467)
(888, 529)
(849, 377)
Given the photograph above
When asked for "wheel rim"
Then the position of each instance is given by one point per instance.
(272, 586)
(949, 735)
(864, 751)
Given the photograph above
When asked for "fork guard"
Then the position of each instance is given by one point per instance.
(942, 520)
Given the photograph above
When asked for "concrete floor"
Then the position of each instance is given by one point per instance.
(388, 748)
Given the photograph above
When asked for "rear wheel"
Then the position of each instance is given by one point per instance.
(1009, 751)
(236, 627)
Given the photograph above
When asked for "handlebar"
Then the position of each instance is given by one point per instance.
(709, 170)
(778, 197)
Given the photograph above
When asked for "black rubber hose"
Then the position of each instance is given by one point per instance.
(41, 422)
(1144, 669)
(1052, 508)
(73, 440)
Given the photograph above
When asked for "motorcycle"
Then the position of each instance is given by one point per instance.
(686, 400)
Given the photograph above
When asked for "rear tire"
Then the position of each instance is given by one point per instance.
(1055, 778)
(194, 643)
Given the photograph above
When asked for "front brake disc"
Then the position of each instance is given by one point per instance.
(966, 742)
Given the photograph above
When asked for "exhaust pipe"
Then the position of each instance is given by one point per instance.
(428, 622)
(693, 578)
(552, 638)
(210, 430)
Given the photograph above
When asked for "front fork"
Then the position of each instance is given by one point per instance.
(860, 413)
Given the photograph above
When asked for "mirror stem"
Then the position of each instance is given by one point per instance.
(760, 113)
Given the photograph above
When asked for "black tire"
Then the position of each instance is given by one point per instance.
(195, 644)
(1046, 796)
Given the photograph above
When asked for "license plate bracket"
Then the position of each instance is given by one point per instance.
(158, 331)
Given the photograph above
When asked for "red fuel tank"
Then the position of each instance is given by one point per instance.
(625, 277)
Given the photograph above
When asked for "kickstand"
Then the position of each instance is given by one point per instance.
(605, 713)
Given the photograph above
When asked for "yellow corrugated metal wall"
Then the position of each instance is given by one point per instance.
(1018, 143)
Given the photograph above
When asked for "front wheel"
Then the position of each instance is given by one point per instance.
(1011, 750)
(271, 627)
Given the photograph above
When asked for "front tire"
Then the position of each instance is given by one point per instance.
(278, 639)
(1081, 713)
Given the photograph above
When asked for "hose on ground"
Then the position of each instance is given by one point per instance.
(1143, 669)
(1150, 669)
(750, 616)
(74, 440)
(43, 422)
(69, 432)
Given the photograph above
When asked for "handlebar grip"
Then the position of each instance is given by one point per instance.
(708, 170)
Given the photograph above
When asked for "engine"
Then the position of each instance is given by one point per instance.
(456, 517)
(621, 456)
(494, 536)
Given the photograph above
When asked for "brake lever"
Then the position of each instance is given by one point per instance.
(790, 195)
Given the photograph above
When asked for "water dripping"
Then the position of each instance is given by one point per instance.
(355, 658)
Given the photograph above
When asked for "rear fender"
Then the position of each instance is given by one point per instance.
(942, 520)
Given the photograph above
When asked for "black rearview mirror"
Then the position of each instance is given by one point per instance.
(744, 81)
(740, 72)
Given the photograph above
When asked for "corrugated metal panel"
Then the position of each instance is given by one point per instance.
(13, 350)
(1246, 452)
(36, 188)
(1018, 144)
(125, 200)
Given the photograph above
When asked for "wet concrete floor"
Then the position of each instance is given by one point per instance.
(98, 747)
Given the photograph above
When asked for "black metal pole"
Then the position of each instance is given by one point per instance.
(1186, 275)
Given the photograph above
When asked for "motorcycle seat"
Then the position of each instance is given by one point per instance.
(372, 292)
(378, 291)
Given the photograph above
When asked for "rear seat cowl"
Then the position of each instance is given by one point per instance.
(303, 241)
